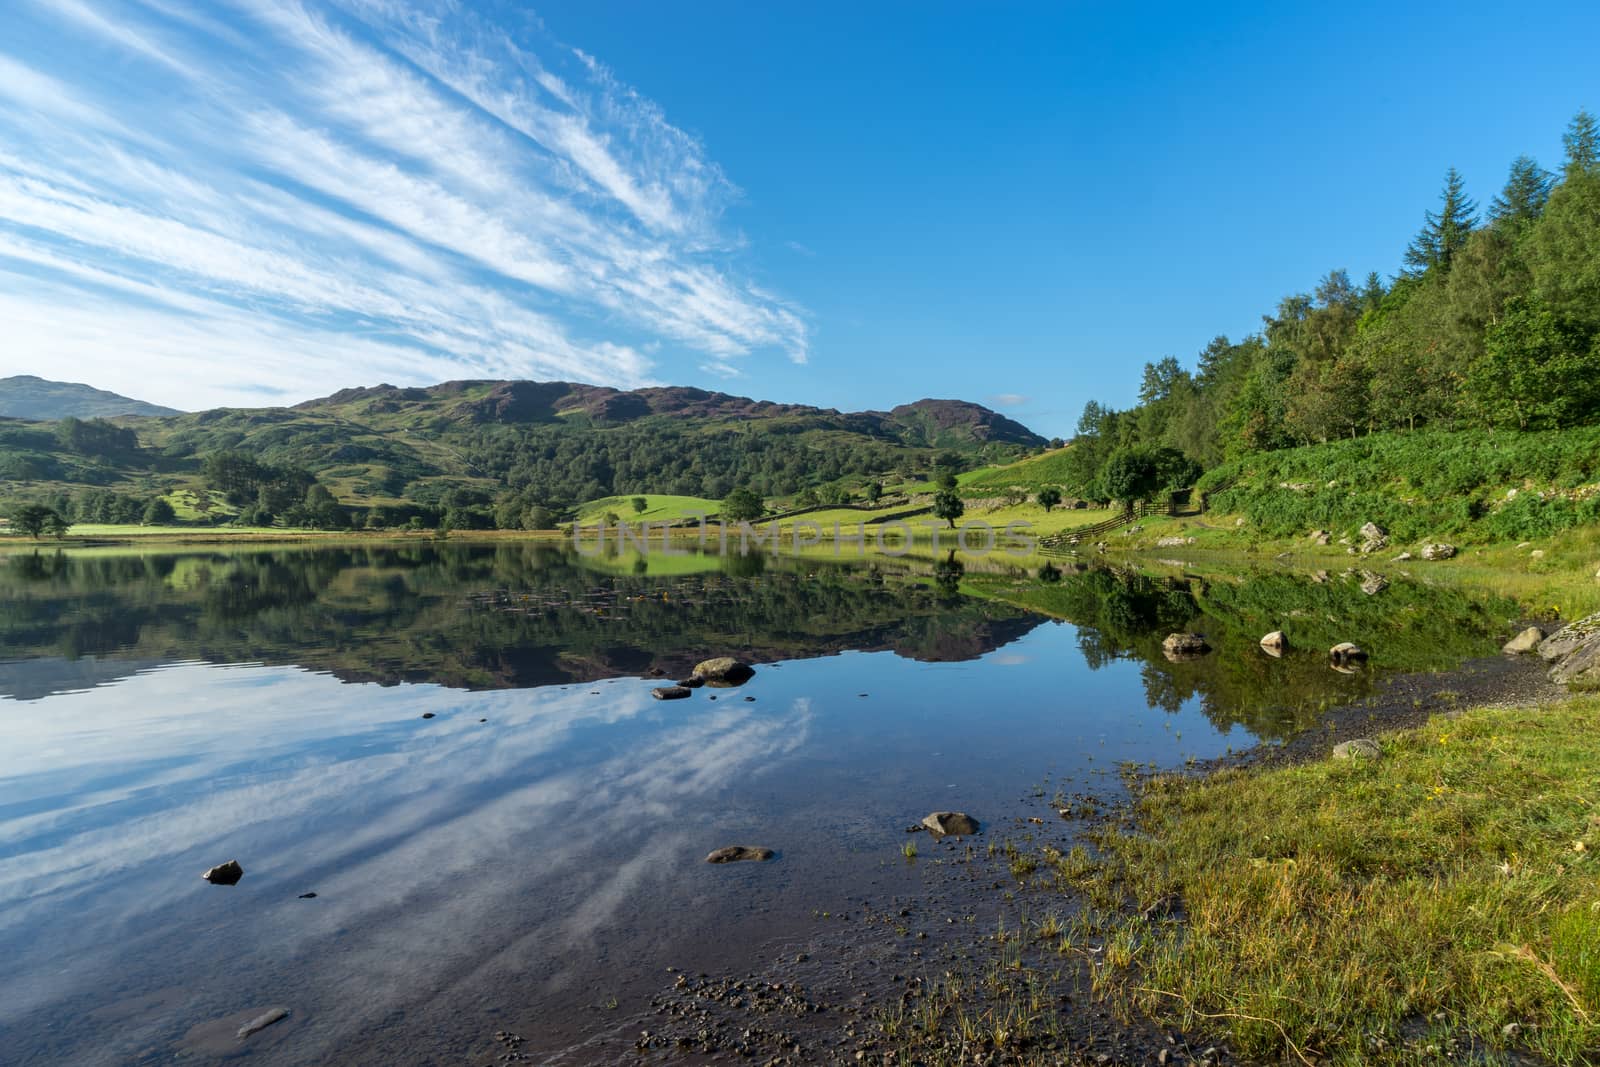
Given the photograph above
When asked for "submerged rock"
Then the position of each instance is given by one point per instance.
(670, 692)
(1360, 748)
(1347, 652)
(951, 824)
(224, 873)
(1184, 645)
(1527, 641)
(724, 671)
(1436, 550)
(692, 682)
(1276, 643)
(262, 1021)
(740, 853)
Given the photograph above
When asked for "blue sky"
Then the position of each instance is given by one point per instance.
(261, 201)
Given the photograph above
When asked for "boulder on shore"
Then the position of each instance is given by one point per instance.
(1527, 641)
(1347, 652)
(1374, 538)
(740, 853)
(723, 671)
(1180, 646)
(1573, 653)
(1275, 644)
(1320, 537)
(950, 824)
(1360, 748)
(670, 692)
(1373, 584)
(224, 873)
(1436, 550)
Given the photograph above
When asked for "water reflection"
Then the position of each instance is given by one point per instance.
(535, 848)
(468, 617)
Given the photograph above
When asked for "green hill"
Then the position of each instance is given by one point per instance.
(491, 452)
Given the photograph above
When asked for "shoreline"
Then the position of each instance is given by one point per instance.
(1012, 947)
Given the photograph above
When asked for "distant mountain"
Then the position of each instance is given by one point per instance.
(506, 446)
(26, 396)
(926, 423)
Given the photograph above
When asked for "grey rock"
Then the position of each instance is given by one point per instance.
(692, 682)
(1347, 652)
(262, 1021)
(224, 873)
(1275, 643)
(741, 853)
(1184, 645)
(724, 671)
(1403, 557)
(951, 824)
(1374, 538)
(1360, 748)
(1567, 640)
(670, 692)
(1373, 584)
(1320, 537)
(1527, 641)
(1437, 550)
(1173, 542)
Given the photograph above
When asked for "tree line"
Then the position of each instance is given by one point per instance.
(1493, 322)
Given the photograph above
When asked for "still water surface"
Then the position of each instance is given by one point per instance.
(532, 854)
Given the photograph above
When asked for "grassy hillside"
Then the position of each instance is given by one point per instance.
(1473, 485)
(1031, 474)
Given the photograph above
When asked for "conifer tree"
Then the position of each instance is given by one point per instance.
(1526, 192)
(1445, 231)
(1582, 140)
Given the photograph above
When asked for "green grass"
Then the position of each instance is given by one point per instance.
(1358, 912)
(658, 508)
(96, 531)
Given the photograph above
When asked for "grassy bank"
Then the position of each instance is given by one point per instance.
(1469, 485)
(1446, 895)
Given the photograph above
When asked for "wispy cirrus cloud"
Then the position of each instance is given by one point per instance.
(206, 201)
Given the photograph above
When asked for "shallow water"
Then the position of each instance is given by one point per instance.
(533, 853)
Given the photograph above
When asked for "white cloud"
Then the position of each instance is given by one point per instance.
(375, 185)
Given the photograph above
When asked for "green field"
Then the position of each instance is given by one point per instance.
(658, 508)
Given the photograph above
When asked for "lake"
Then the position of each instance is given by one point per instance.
(455, 748)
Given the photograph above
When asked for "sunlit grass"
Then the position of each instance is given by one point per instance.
(1330, 906)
